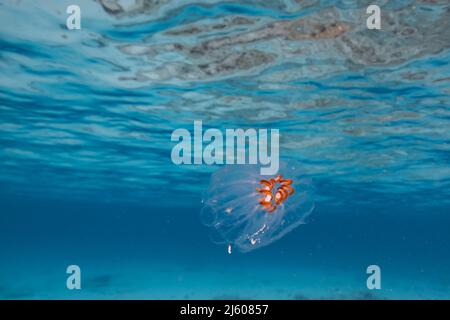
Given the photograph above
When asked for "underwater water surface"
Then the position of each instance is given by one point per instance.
(86, 118)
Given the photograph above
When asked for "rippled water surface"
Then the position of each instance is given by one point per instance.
(86, 117)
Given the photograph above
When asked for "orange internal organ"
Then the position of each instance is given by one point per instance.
(274, 191)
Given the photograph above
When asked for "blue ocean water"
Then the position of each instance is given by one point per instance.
(86, 175)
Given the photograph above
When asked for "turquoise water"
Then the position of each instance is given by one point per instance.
(86, 175)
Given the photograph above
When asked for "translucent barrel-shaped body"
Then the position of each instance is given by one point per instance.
(233, 209)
